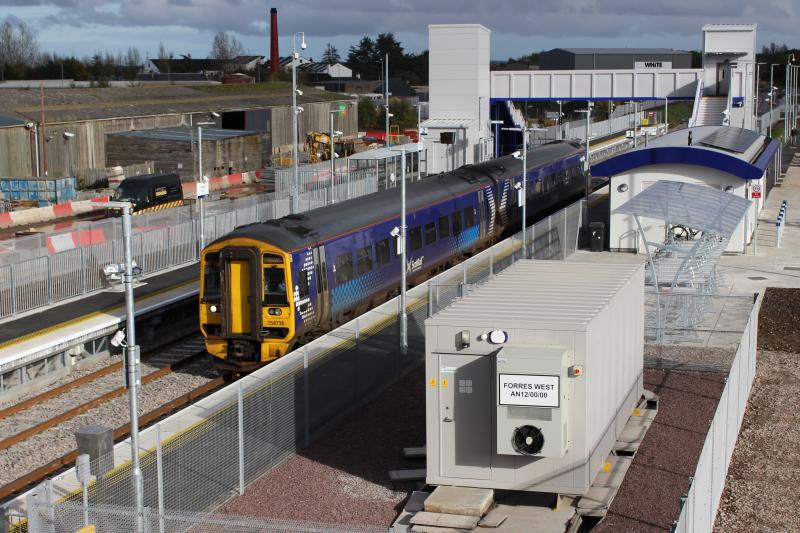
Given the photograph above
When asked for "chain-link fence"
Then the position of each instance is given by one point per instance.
(42, 270)
(195, 460)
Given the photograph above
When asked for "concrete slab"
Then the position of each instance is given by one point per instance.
(493, 519)
(460, 500)
(416, 502)
(454, 521)
(596, 501)
(415, 452)
(413, 474)
(436, 529)
(618, 467)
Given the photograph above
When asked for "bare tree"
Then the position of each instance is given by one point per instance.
(133, 58)
(18, 44)
(226, 46)
(162, 51)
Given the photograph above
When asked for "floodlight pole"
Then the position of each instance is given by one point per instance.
(758, 82)
(200, 202)
(131, 359)
(771, 94)
(295, 200)
(404, 264)
(333, 161)
(386, 97)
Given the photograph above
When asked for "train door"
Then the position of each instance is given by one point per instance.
(242, 292)
(321, 277)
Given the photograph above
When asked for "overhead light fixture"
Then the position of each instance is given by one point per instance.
(215, 114)
(516, 155)
(68, 135)
(299, 110)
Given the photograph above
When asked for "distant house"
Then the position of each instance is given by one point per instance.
(206, 68)
(286, 62)
(335, 70)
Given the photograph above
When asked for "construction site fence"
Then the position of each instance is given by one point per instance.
(196, 460)
(67, 265)
(699, 506)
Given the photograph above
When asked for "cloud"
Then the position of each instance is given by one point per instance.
(541, 23)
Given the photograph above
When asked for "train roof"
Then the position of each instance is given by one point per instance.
(306, 229)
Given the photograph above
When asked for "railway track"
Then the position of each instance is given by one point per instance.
(35, 442)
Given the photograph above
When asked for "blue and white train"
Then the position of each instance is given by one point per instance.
(268, 286)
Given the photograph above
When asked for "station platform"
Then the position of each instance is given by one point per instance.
(71, 328)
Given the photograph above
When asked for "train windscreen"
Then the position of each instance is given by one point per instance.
(212, 278)
(274, 281)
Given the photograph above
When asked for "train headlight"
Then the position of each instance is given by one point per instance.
(213, 309)
(274, 311)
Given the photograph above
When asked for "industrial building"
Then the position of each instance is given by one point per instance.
(614, 58)
(71, 126)
(175, 150)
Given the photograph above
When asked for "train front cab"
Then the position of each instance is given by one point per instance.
(245, 306)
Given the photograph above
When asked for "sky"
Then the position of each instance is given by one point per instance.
(83, 27)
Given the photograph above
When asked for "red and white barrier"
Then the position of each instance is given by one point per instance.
(74, 239)
(223, 182)
(38, 215)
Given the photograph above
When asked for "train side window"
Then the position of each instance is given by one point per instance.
(444, 227)
(344, 268)
(364, 260)
(383, 251)
(302, 284)
(430, 233)
(456, 222)
(416, 238)
(469, 217)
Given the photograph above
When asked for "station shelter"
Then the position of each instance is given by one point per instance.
(738, 161)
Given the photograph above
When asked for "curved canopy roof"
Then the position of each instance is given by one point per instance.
(747, 162)
(695, 206)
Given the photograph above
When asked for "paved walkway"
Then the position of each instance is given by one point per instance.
(764, 265)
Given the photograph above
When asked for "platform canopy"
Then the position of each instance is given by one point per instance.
(695, 206)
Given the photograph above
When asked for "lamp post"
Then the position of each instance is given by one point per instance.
(789, 122)
(295, 200)
(201, 182)
(420, 145)
(67, 136)
(587, 166)
(523, 187)
(771, 93)
(131, 358)
(386, 97)
(758, 82)
(334, 155)
(400, 235)
(496, 124)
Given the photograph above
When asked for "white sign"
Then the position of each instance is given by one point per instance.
(629, 134)
(650, 130)
(652, 65)
(551, 114)
(756, 187)
(529, 390)
(202, 189)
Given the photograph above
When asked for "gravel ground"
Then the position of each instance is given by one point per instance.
(342, 478)
(762, 485)
(57, 441)
(688, 357)
(649, 498)
(72, 376)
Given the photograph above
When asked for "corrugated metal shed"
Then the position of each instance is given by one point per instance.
(549, 294)
(184, 134)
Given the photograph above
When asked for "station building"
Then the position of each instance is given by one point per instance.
(738, 161)
(614, 59)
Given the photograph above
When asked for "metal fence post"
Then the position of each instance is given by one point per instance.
(49, 279)
(160, 479)
(240, 405)
(13, 290)
(83, 270)
(306, 434)
(430, 300)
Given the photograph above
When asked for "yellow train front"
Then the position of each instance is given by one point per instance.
(246, 312)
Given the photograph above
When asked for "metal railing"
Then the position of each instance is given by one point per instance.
(698, 98)
(33, 277)
(202, 456)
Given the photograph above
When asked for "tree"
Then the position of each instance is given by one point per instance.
(133, 58)
(18, 47)
(362, 59)
(226, 46)
(367, 114)
(330, 55)
(162, 52)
